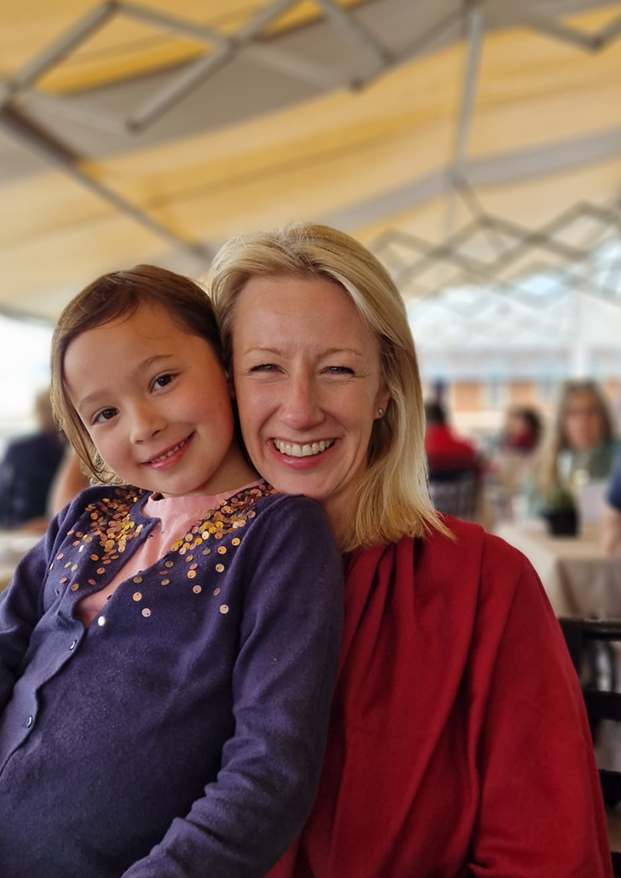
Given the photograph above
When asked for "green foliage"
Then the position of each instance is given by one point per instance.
(560, 499)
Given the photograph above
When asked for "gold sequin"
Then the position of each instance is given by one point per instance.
(75, 586)
(168, 563)
(100, 570)
(235, 541)
(137, 596)
(64, 579)
(191, 574)
(219, 568)
(94, 557)
(224, 609)
(146, 612)
(217, 591)
(165, 581)
(221, 550)
(74, 568)
(197, 589)
(137, 579)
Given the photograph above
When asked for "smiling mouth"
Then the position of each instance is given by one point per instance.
(169, 453)
(294, 450)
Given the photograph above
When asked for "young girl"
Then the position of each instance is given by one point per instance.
(167, 652)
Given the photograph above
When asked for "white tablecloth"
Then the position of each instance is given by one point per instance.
(579, 578)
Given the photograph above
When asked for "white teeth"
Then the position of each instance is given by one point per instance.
(168, 453)
(302, 450)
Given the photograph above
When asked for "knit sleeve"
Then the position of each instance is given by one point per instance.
(21, 608)
(284, 674)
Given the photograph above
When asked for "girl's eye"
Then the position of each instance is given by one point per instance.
(105, 415)
(163, 380)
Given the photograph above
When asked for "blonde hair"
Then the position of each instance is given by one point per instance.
(393, 498)
(111, 297)
(557, 441)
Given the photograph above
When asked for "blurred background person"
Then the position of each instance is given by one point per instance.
(453, 465)
(581, 447)
(511, 463)
(522, 429)
(445, 450)
(28, 469)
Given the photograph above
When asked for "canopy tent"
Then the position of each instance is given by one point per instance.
(153, 132)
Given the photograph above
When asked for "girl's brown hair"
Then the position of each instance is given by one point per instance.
(109, 298)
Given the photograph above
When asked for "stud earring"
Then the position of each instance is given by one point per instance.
(380, 412)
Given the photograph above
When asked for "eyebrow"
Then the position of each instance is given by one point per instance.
(92, 398)
(264, 349)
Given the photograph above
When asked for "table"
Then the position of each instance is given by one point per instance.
(13, 546)
(580, 579)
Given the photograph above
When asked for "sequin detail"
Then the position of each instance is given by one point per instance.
(110, 527)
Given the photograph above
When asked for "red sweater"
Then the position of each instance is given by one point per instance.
(459, 746)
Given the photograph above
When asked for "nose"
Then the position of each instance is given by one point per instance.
(145, 422)
(300, 407)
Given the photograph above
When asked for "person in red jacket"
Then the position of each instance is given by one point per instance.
(458, 744)
(444, 449)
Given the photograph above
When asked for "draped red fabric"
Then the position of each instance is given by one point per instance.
(458, 743)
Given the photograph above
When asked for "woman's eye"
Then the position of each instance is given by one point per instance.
(163, 380)
(340, 370)
(105, 415)
(264, 367)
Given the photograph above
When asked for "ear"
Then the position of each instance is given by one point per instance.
(382, 401)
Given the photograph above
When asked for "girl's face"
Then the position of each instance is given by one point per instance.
(308, 385)
(156, 404)
(582, 421)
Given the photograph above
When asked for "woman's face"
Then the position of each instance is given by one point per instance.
(308, 384)
(582, 421)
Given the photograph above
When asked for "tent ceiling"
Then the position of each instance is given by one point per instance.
(521, 99)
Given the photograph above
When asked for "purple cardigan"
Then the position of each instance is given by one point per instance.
(182, 733)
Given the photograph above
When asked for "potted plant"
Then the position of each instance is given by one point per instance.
(560, 511)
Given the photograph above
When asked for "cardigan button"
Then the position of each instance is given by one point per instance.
(74, 643)
(29, 721)
(101, 621)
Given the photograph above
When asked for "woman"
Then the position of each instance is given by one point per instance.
(581, 446)
(458, 742)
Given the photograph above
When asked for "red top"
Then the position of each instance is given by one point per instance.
(446, 451)
(459, 745)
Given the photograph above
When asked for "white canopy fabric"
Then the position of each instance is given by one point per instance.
(154, 132)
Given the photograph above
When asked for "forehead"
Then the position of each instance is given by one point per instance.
(301, 311)
(581, 401)
(147, 324)
(111, 350)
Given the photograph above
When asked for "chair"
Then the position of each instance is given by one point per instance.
(455, 492)
(588, 642)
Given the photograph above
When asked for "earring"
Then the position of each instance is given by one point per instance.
(380, 412)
